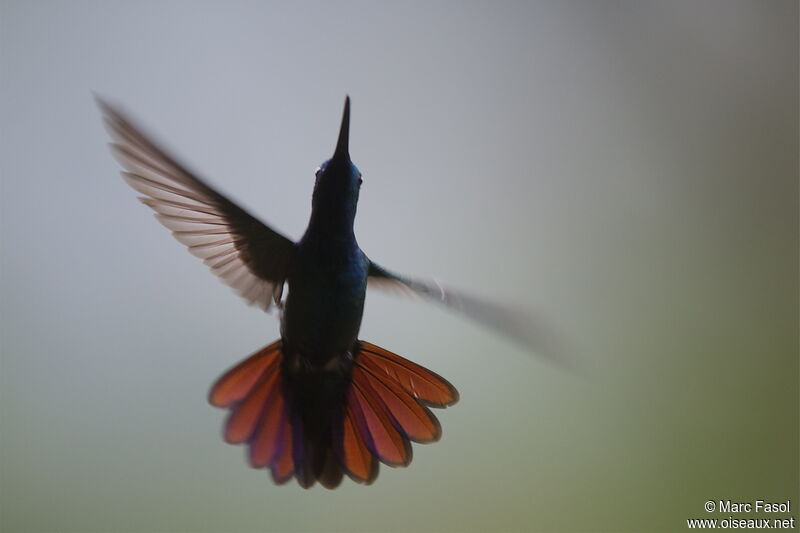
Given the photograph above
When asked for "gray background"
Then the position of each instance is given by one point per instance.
(626, 169)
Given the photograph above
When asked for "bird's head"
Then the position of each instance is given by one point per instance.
(338, 179)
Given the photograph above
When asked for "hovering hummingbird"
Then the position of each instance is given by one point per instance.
(319, 402)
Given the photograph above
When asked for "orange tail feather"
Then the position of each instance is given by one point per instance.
(324, 424)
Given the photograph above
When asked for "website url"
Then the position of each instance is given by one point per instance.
(741, 523)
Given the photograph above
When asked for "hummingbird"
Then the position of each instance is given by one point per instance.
(319, 403)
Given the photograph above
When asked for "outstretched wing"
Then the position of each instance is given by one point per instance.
(247, 255)
(516, 324)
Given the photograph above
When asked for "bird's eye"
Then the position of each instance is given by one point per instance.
(316, 172)
(360, 181)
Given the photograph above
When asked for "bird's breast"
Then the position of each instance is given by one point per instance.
(323, 308)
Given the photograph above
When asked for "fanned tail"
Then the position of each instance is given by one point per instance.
(319, 425)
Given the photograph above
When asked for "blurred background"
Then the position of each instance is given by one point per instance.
(626, 170)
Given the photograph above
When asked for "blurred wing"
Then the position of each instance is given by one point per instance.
(247, 255)
(516, 324)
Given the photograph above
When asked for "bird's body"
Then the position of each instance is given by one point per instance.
(327, 288)
(320, 322)
(323, 309)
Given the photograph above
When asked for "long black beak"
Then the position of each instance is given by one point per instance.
(342, 146)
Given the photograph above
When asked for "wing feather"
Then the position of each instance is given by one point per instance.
(245, 253)
(520, 325)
